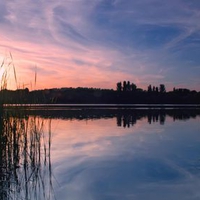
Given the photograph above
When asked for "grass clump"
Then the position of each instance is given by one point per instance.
(25, 161)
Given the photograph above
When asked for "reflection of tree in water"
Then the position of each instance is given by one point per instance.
(156, 117)
(126, 120)
(123, 115)
(129, 118)
(25, 165)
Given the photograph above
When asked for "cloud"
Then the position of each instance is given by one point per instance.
(134, 38)
(145, 161)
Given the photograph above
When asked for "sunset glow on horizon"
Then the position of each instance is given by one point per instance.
(87, 43)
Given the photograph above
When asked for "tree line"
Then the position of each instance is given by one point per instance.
(126, 86)
(125, 93)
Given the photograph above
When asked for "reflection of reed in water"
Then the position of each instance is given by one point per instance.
(25, 162)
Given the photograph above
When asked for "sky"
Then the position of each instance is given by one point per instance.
(97, 43)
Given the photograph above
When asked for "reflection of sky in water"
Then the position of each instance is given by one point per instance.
(96, 160)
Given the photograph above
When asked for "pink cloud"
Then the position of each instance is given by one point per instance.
(63, 42)
(57, 67)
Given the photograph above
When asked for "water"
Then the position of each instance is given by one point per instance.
(111, 154)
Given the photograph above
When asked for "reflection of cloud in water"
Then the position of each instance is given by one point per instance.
(141, 178)
(98, 160)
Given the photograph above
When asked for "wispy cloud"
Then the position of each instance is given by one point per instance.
(112, 40)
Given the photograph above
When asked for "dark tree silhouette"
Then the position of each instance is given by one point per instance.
(149, 89)
(119, 86)
(132, 95)
(133, 87)
(157, 89)
(124, 86)
(162, 88)
(128, 86)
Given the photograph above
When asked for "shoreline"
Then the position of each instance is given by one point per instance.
(49, 106)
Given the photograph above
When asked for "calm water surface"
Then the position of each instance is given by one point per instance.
(114, 155)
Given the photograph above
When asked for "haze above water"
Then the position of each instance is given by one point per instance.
(119, 154)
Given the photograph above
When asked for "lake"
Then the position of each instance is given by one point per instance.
(100, 154)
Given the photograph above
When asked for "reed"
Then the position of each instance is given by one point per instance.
(25, 161)
(6, 65)
(25, 149)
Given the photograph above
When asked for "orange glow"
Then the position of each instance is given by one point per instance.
(59, 67)
(69, 45)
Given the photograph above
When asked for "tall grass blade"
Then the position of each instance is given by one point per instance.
(3, 62)
(15, 75)
(23, 173)
(35, 75)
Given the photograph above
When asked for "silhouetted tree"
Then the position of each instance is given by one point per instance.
(133, 87)
(124, 86)
(119, 86)
(156, 89)
(149, 89)
(162, 88)
(128, 86)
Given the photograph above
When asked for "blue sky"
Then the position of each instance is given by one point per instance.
(98, 43)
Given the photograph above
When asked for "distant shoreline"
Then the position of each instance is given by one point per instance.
(49, 106)
(101, 97)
